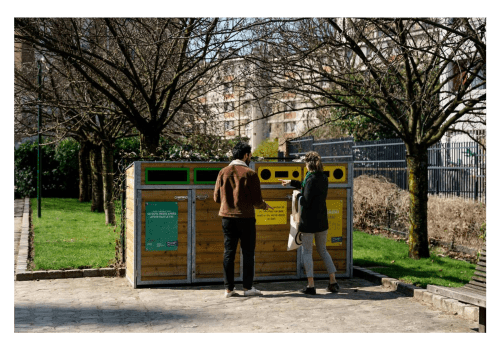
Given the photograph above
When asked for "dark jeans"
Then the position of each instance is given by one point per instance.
(235, 229)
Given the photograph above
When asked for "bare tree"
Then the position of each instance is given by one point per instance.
(416, 77)
(73, 108)
(473, 33)
(149, 69)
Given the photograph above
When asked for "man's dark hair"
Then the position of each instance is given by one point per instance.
(241, 149)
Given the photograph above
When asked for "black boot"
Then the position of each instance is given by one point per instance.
(333, 287)
(309, 290)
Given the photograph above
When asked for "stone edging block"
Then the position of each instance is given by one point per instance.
(58, 274)
(467, 311)
(22, 256)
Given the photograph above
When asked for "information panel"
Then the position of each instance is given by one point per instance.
(162, 223)
(276, 216)
(334, 208)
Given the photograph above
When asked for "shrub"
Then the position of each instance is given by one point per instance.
(195, 148)
(451, 219)
(59, 169)
(267, 149)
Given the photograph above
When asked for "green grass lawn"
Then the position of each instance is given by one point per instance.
(69, 235)
(390, 258)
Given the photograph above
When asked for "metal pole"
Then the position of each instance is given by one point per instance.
(123, 218)
(39, 165)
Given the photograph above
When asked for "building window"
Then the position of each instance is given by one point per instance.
(228, 106)
(480, 79)
(461, 74)
(229, 70)
(290, 127)
(228, 88)
(228, 125)
(368, 52)
(289, 106)
(348, 55)
(247, 109)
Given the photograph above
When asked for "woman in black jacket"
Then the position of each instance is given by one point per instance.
(314, 220)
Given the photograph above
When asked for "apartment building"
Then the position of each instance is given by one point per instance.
(241, 106)
(470, 127)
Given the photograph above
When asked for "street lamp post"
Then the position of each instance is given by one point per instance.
(39, 163)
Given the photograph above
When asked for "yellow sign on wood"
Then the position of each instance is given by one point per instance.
(276, 216)
(334, 208)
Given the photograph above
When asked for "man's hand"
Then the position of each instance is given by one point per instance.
(268, 207)
(285, 182)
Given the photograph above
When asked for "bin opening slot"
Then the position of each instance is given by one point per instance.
(281, 174)
(206, 175)
(338, 174)
(167, 176)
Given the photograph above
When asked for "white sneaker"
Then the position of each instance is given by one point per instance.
(252, 292)
(230, 294)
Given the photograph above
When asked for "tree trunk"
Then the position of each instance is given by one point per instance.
(417, 162)
(97, 190)
(149, 143)
(107, 180)
(84, 171)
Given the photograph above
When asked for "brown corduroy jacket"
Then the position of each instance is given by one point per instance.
(238, 191)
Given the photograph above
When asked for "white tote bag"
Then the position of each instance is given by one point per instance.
(295, 237)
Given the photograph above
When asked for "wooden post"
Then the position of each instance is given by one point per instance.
(482, 319)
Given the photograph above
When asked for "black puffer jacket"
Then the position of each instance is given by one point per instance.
(314, 217)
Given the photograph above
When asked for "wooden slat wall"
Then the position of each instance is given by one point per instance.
(129, 225)
(191, 166)
(271, 255)
(165, 265)
(209, 246)
(478, 281)
(338, 254)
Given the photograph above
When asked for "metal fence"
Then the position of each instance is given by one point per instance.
(455, 168)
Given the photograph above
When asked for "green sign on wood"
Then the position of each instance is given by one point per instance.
(162, 224)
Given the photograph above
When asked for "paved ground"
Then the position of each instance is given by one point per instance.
(101, 304)
(18, 223)
(112, 305)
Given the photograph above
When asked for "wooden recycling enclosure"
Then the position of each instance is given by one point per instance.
(174, 234)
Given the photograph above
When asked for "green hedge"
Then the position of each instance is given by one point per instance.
(267, 149)
(60, 161)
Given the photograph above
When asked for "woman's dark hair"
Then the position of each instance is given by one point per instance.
(241, 149)
(313, 160)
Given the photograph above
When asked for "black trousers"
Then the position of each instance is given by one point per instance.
(242, 229)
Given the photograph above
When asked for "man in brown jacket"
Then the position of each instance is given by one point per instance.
(238, 191)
